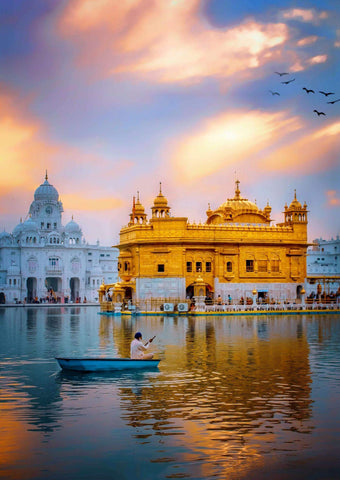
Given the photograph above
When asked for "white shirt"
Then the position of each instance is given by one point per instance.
(137, 348)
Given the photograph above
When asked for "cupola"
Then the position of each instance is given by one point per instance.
(138, 215)
(295, 213)
(160, 208)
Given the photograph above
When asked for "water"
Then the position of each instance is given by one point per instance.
(241, 398)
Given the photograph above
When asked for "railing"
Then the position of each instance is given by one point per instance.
(54, 270)
(156, 305)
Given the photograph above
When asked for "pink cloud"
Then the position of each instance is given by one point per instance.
(307, 41)
(313, 152)
(304, 15)
(333, 199)
(227, 141)
(167, 41)
(26, 151)
(318, 59)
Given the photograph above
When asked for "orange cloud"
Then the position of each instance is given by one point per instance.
(333, 199)
(26, 152)
(227, 140)
(83, 202)
(166, 41)
(318, 59)
(307, 40)
(312, 152)
(21, 148)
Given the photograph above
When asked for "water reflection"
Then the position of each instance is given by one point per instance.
(231, 395)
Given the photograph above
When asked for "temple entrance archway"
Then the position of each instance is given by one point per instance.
(128, 293)
(74, 288)
(31, 286)
(189, 291)
(298, 292)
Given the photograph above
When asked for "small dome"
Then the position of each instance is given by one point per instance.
(160, 200)
(46, 191)
(29, 226)
(5, 238)
(72, 227)
(4, 235)
(295, 203)
(139, 209)
(18, 229)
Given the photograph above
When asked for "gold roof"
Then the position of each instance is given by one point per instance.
(160, 200)
(139, 209)
(295, 203)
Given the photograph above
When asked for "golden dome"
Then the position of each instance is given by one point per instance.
(160, 200)
(139, 209)
(295, 203)
(238, 209)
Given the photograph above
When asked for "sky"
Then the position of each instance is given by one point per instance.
(112, 97)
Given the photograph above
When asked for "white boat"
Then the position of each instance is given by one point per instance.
(104, 364)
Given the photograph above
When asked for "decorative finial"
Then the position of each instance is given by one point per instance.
(137, 195)
(237, 191)
(294, 193)
(208, 206)
(72, 217)
(46, 176)
(160, 188)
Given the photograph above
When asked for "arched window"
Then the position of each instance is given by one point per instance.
(229, 266)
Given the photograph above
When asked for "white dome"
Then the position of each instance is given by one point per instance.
(18, 229)
(46, 192)
(5, 237)
(72, 227)
(29, 226)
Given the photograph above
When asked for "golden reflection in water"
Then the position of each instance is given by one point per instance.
(16, 440)
(227, 393)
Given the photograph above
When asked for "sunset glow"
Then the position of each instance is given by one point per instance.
(114, 97)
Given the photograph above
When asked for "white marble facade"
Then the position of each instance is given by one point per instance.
(42, 259)
(323, 260)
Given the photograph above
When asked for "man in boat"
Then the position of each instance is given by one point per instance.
(137, 348)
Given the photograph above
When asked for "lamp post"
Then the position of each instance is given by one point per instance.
(254, 292)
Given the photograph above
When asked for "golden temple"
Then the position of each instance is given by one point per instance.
(234, 255)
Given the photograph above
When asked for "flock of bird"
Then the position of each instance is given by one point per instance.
(307, 90)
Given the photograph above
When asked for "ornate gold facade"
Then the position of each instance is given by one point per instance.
(234, 252)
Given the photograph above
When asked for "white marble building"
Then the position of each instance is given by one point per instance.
(42, 258)
(323, 264)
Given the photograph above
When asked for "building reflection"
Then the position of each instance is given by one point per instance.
(227, 389)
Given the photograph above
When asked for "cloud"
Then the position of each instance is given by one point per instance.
(333, 199)
(317, 59)
(22, 149)
(227, 140)
(304, 15)
(26, 151)
(73, 202)
(307, 40)
(312, 152)
(166, 41)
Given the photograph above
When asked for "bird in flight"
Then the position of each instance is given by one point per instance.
(308, 91)
(288, 81)
(326, 93)
(281, 73)
(319, 113)
(334, 101)
(274, 93)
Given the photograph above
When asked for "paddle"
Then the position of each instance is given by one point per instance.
(150, 340)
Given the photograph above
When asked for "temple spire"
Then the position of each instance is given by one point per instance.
(46, 176)
(237, 191)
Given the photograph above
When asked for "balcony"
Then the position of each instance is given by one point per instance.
(54, 270)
